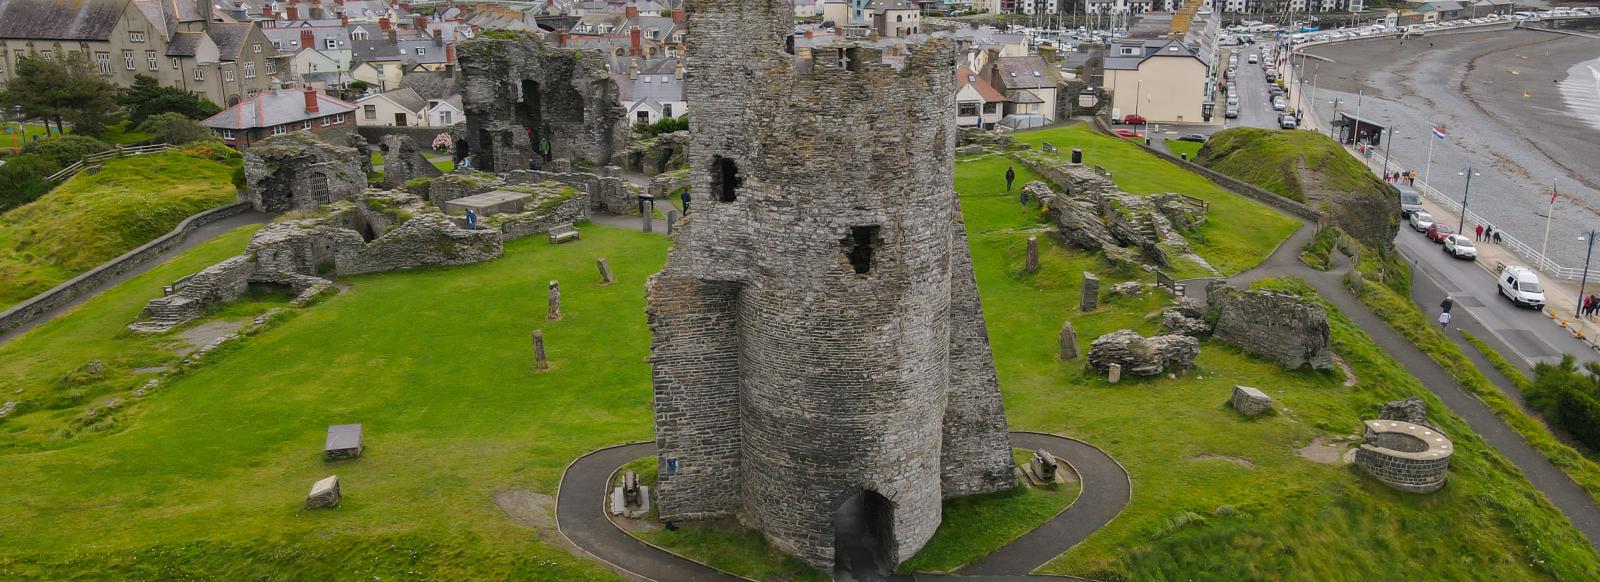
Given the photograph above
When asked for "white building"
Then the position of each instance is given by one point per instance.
(399, 108)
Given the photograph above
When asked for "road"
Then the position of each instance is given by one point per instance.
(1255, 102)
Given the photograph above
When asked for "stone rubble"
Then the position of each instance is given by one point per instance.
(1143, 356)
(1283, 328)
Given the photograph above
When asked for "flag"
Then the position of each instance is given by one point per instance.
(1438, 132)
(1553, 194)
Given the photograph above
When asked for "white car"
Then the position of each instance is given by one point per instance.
(1460, 247)
(1278, 104)
(1420, 221)
(1254, 59)
(1521, 286)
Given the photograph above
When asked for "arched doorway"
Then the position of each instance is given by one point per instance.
(863, 536)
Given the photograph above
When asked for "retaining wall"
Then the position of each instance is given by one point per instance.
(40, 304)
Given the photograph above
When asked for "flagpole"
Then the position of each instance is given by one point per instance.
(1427, 171)
(1548, 214)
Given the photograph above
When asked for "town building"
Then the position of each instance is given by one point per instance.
(398, 108)
(279, 111)
(1161, 81)
(978, 104)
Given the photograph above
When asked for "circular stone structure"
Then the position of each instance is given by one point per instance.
(1405, 456)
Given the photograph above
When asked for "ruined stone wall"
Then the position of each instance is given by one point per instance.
(820, 265)
(403, 161)
(427, 239)
(573, 210)
(298, 171)
(219, 283)
(516, 91)
(609, 194)
(1279, 327)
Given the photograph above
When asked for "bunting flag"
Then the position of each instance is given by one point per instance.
(1438, 132)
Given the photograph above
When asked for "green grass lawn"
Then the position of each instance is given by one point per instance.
(206, 477)
(1183, 147)
(90, 219)
(1238, 234)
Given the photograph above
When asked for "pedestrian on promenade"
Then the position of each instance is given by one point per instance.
(1488, 232)
(1444, 320)
(1011, 176)
(1497, 237)
(1480, 233)
(1412, 177)
(1588, 306)
(1447, 304)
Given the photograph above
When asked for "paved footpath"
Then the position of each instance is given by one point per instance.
(1570, 499)
(581, 517)
(200, 235)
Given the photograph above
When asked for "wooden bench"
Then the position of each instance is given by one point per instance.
(563, 233)
(176, 286)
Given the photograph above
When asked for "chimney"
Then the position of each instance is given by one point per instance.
(679, 16)
(636, 38)
(204, 7)
(632, 11)
(294, 12)
(633, 69)
(311, 100)
(677, 70)
(450, 54)
(266, 12)
(383, 23)
(394, 36)
(438, 37)
(421, 22)
(344, 20)
(308, 39)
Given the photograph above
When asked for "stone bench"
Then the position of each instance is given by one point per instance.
(177, 285)
(563, 233)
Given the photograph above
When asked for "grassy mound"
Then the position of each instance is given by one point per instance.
(90, 219)
(1308, 167)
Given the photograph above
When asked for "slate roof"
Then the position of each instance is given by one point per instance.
(184, 44)
(1030, 72)
(60, 19)
(276, 107)
(403, 50)
(407, 98)
(152, 12)
(229, 36)
(987, 92)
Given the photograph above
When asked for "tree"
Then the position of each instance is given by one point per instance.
(174, 128)
(358, 85)
(147, 97)
(62, 91)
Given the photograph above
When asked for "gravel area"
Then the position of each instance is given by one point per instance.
(1522, 107)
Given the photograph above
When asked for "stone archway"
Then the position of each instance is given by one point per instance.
(863, 534)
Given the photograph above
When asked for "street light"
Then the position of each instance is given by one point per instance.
(1585, 282)
(1467, 192)
(1391, 131)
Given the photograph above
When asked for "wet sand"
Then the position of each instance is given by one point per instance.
(1499, 94)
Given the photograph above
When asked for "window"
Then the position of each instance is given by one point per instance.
(327, 121)
(272, 66)
(47, 55)
(371, 111)
(989, 108)
(227, 134)
(127, 59)
(249, 70)
(331, 43)
(359, 34)
(256, 47)
(421, 51)
(227, 75)
(725, 179)
(338, 119)
(306, 125)
(199, 75)
(666, 110)
(277, 44)
(150, 59)
(860, 247)
(278, 129)
(103, 61)
(444, 118)
(967, 109)
(174, 64)
(135, 36)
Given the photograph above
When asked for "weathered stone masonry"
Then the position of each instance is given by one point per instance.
(512, 86)
(817, 330)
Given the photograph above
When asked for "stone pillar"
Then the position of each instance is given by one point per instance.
(1069, 341)
(672, 221)
(555, 301)
(605, 271)
(538, 350)
(647, 209)
(1091, 292)
(1033, 254)
(1115, 373)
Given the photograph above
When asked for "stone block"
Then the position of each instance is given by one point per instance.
(324, 494)
(1068, 340)
(490, 203)
(1250, 401)
(1283, 328)
(1143, 356)
(1089, 295)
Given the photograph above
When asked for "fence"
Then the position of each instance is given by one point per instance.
(69, 171)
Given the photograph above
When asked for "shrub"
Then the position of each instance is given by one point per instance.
(22, 179)
(1567, 395)
(65, 150)
(666, 125)
(175, 129)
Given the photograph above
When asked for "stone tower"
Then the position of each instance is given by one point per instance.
(818, 339)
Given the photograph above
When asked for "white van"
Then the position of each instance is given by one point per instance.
(1521, 286)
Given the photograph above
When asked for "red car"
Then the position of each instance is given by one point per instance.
(1128, 133)
(1133, 120)
(1438, 232)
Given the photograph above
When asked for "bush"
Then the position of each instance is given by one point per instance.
(175, 129)
(67, 149)
(666, 125)
(22, 179)
(1568, 396)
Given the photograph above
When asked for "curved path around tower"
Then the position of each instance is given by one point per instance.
(581, 516)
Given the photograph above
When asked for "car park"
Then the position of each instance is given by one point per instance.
(1438, 232)
(1521, 286)
(1460, 247)
(1420, 221)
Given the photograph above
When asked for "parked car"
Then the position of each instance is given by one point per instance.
(1410, 203)
(1134, 120)
(1420, 221)
(1521, 286)
(1278, 104)
(1254, 58)
(1438, 232)
(1194, 137)
(1233, 110)
(1460, 247)
(1128, 133)
(1287, 121)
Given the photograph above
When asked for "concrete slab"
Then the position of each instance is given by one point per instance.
(490, 203)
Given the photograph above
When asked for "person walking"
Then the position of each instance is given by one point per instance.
(1011, 176)
(1444, 320)
(1411, 178)
(1488, 231)
(1447, 304)
(1479, 232)
(1497, 237)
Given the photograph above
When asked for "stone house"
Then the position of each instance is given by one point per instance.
(398, 108)
(322, 54)
(180, 43)
(280, 111)
(1162, 81)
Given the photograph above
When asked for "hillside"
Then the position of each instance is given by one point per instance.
(93, 218)
(1311, 168)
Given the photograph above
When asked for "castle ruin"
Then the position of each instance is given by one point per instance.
(820, 357)
(520, 91)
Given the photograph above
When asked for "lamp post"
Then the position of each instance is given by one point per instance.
(1391, 131)
(1464, 194)
(1548, 213)
(1585, 282)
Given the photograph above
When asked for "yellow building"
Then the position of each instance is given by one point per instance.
(1161, 81)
